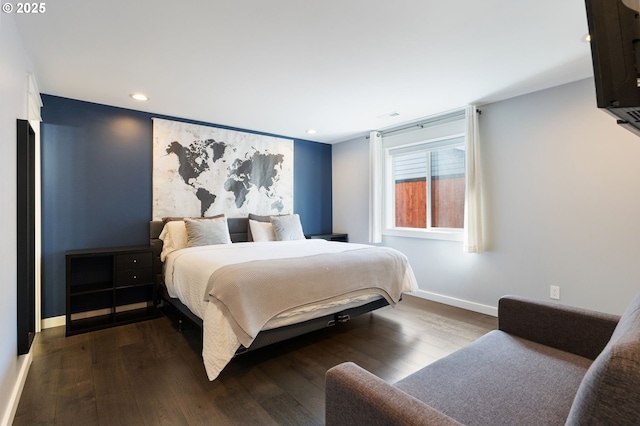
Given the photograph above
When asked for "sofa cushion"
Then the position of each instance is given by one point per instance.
(610, 391)
(501, 380)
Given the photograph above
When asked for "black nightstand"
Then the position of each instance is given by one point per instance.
(108, 287)
(343, 238)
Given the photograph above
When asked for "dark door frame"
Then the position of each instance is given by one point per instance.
(26, 235)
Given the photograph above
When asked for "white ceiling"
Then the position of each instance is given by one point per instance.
(285, 66)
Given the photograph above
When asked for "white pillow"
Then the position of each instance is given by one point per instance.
(261, 231)
(206, 232)
(287, 227)
(174, 237)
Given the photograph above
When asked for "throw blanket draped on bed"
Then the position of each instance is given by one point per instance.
(314, 278)
(250, 294)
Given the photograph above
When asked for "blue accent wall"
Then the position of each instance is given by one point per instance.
(97, 183)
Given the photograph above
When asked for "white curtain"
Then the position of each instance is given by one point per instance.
(473, 222)
(376, 185)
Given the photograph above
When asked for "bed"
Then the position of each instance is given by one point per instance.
(247, 291)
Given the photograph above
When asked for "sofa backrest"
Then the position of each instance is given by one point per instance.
(610, 391)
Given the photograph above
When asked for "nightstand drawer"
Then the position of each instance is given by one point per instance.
(134, 261)
(134, 277)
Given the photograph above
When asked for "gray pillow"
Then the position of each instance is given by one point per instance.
(287, 227)
(205, 232)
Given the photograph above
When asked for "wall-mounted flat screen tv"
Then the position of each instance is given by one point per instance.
(614, 29)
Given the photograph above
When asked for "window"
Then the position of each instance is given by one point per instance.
(425, 180)
(436, 202)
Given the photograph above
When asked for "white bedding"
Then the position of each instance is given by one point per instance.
(187, 273)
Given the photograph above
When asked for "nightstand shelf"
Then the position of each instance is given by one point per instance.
(88, 324)
(109, 287)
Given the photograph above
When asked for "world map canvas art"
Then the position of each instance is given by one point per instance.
(203, 171)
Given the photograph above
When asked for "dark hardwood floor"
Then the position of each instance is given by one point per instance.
(150, 374)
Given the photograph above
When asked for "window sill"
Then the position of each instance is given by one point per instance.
(444, 234)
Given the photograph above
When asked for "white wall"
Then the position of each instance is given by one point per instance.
(562, 186)
(14, 65)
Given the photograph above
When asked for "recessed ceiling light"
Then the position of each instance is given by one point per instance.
(312, 132)
(139, 97)
(587, 38)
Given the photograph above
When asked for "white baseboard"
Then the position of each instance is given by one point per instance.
(458, 303)
(24, 362)
(14, 399)
(54, 322)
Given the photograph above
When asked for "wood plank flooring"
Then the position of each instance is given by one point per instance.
(150, 374)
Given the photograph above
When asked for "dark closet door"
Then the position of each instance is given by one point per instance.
(26, 223)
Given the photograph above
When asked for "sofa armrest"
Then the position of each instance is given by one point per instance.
(579, 331)
(356, 397)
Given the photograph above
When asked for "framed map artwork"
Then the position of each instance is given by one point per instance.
(203, 171)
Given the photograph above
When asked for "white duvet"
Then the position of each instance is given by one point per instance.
(187, 273)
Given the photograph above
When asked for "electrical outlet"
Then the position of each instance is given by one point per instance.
(554, 292)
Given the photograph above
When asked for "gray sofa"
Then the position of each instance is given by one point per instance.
(546, 364)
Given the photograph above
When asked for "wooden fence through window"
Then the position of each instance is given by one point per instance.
(447, 198)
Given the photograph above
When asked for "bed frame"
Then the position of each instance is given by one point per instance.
(238, 229)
